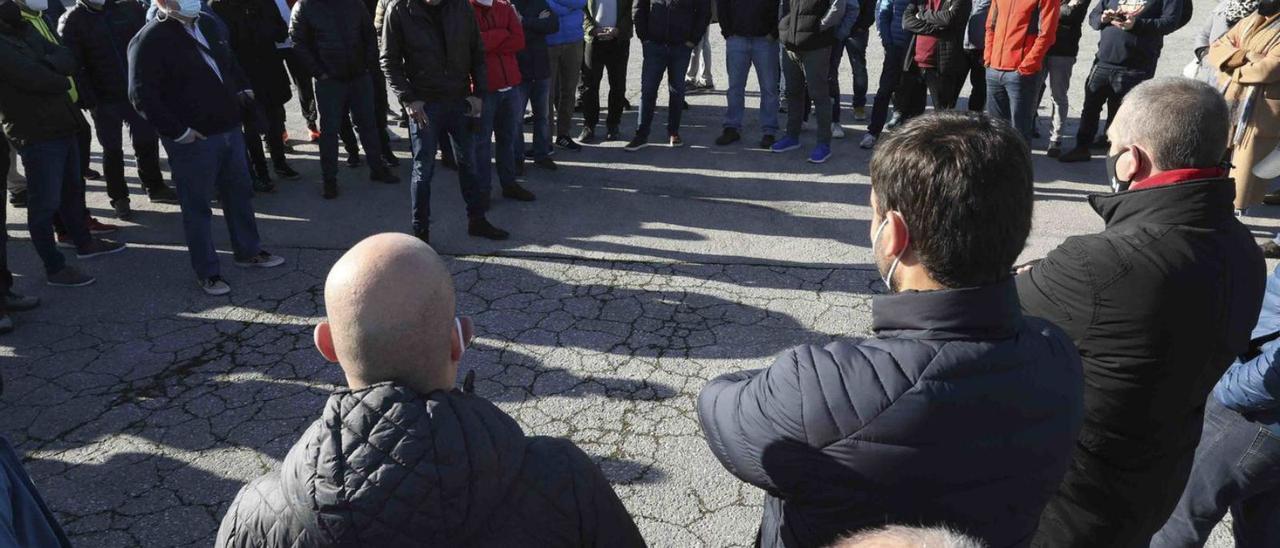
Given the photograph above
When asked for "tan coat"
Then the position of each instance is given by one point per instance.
(1261, 36)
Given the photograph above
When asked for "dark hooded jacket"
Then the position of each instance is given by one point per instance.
(1160, 303)
(387, 467)
(433, 53)
(34, 104)
(960, 412)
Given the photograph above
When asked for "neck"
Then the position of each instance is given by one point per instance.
(916, 279)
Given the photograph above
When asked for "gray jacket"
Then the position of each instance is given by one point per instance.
(1208, 33)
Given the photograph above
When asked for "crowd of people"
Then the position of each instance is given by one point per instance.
(1122, 391)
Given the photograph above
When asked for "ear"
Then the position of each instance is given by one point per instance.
(896, 237)
(1134, 166)
(324, 342)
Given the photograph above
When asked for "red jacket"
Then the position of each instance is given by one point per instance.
(503, 37)
(1012, 40)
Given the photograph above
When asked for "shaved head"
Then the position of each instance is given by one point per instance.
(390, 303)
(897, 536)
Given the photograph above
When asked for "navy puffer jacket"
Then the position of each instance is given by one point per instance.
(386, 467)
(960, 412)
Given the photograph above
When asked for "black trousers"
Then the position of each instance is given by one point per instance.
(943, 88)
(6, 278)
(304, 84)
(1106, 86)
(274, 137)
(611, 55)
(977, 81)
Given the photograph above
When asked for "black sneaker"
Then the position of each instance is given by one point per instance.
(353, 160)
(1054, 150)
(162, 194)
(613, 134)
(767, 142)
(391, 160)
(263, 186)
(384, 176)
(263, 259)
(729, 137)
(122, 209)
(448, 163)
(566, 143)
(588, 135)
(285, 171)
(546, 163)
(684, 105)
(69, 276)
(330, 190)
(91, 175)
(518, 193)
(20, 303)
(675, 141)
(1270, 250)
(1271, 198)
(637, 143)
(479, 226)
(1078, 154)
(627, 106)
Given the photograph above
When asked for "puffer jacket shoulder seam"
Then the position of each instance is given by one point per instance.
(895, 399)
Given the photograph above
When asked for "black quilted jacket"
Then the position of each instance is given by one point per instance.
(385, 466)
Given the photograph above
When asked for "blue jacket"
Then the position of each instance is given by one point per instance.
(889, 23)
(960, 412)
(1251, 386)
(172, 86)
(1140, 48)
(571, 13)
(25, 519)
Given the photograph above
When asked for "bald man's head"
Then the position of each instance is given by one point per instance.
(391, 311)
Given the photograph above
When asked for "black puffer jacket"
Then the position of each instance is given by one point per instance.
(255, 27)
(99, 39)
(1070, 26)
(671, 22)
(34, 104)
(801, 27)
(1160, 303)
(433, 53)
(948, 24)
(334, 38)
(387, 467)
(535, 59)
(960, 412)
(748, 18)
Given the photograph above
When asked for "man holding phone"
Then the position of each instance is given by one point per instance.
(608, 26)
(434, 59)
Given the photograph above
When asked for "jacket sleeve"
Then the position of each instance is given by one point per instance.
(540, 25)
(1060, 289)
(371, 52)
(833, 16)
(1170, 19)
(1095, 15)
(259, 509)
(479, 74)
(1253, 385)
(1049, 13)
(1263, 71)
(702, 20)
(952, 14)
(640, 14)
(75, 43)
(515, 33)
(304, 40)
(146, 73)
(566, 7)
(393, 56)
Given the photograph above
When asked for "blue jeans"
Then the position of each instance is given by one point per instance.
(1237, 469)
(500, 120)
(890, 77)
(741, 53)
(337, 98)
(856, 46)
(537, 93)
(54, 187)
(660, 59)
(447, 121)
(1012, 97)
(214, 167)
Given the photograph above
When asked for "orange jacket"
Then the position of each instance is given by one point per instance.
(1019, 33)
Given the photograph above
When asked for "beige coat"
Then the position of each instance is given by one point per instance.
(1261, 132)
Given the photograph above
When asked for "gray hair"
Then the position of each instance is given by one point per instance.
(900, 536)
(1183, 123)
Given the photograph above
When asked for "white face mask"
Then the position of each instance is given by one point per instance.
(188, 9)
(462, 339)
(35, 5)
(875, 240)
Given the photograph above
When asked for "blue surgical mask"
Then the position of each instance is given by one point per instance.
(875, 240)
(189, 9)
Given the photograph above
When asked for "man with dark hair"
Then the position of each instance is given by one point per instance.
(335, 40)
(1159, 303)
(960, 411)
(435, 60)
(98, 32)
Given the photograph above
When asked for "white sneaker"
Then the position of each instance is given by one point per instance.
(215, 286)
(837, 131)
(868, 141)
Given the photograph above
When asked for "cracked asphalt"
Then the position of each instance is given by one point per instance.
(142, 405)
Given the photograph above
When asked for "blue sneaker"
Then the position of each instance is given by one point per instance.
(820, 154)
(784, 144)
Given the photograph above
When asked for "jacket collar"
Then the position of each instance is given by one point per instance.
(987, 312)
(1195, 203)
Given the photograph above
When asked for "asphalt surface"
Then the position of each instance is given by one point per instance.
(143, 405)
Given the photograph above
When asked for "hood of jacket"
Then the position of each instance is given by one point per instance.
(386, 463)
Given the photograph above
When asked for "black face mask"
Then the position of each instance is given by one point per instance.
(1116, 184)
(1267, 8)
(11, 14)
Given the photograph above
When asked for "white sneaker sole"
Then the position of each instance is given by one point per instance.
(81, 284)
(272, 264)
(102, 253)
(215, 292)
(788, 149)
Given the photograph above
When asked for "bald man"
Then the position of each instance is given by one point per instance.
(402, 458)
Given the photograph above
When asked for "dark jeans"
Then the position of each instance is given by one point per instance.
(500, 121)
(336, 98)
(1237, 469)
(109, 120)
(977, 80)
(660, 59)
(302, 81)
(54, 187)
(210, 168)
(536, 93)
(447, 119)
(1105, 86)
(808, 68)
(856, 46)
(611, 55)
(1012, 97)
(890, 77)
(943, 88)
